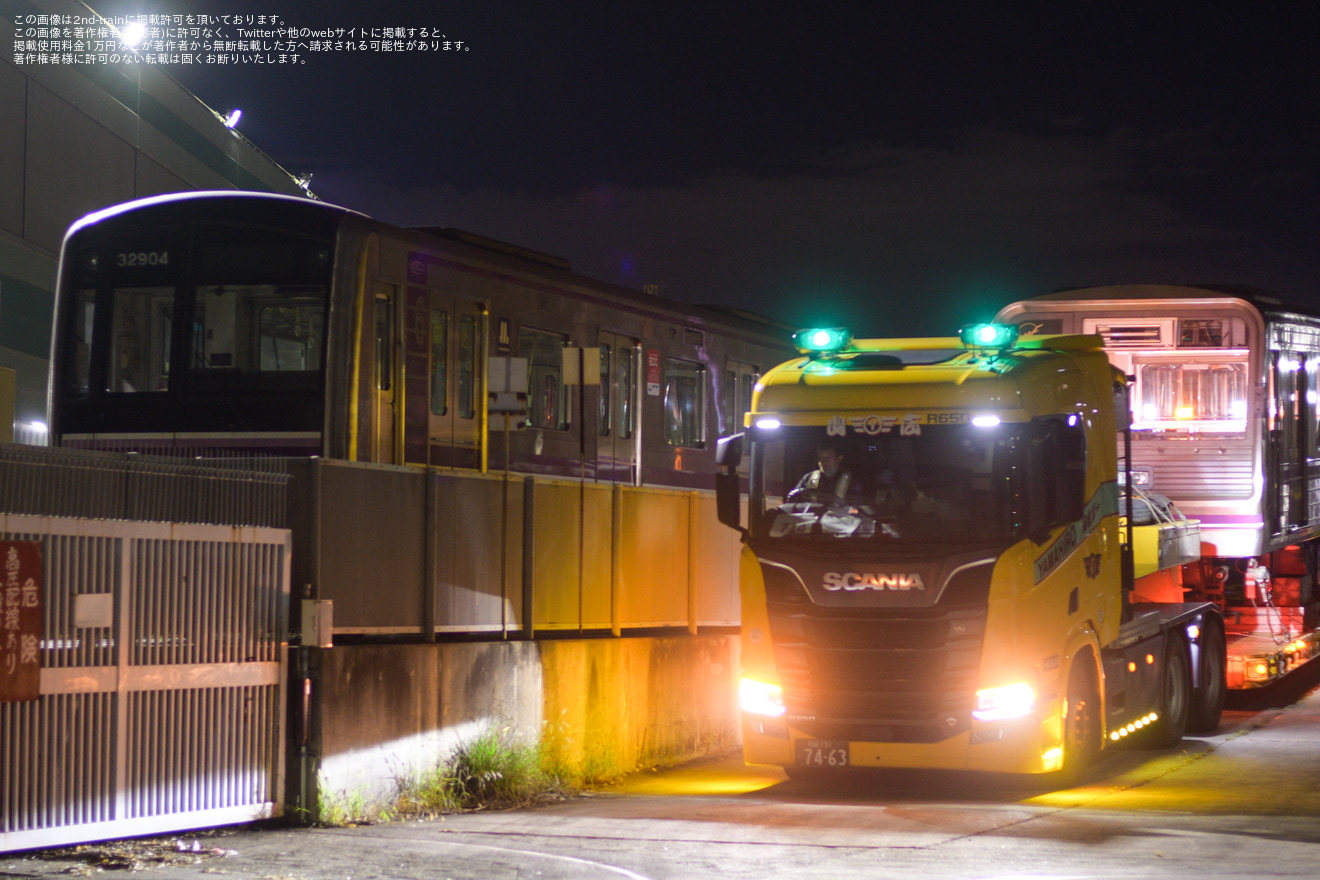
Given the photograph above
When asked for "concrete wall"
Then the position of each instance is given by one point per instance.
(600, 707)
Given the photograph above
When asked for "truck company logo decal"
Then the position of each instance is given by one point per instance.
(1103, 503)
(907, 425)
(852, 580)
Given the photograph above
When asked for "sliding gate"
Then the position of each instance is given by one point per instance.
(159, 704)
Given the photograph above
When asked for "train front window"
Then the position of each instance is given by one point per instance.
(257, 328)
(79, 369)
(1203, 398)
(141, 322)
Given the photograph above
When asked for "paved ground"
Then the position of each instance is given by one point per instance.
(1242, 803)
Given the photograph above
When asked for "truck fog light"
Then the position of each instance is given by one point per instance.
(998, 704)
(760, 698)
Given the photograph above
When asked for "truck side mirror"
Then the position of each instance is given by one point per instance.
(728, 500)
(728, 495)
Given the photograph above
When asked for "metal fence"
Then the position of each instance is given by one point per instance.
(162, 684)
(44, 481)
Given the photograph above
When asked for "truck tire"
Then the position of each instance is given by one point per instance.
(1175, 697)
(1081, 720)
(1208, 700)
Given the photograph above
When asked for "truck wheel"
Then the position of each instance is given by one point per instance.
(1081, 720)
(1208, 700)
(1175, 697)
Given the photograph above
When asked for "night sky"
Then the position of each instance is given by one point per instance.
(901, 170)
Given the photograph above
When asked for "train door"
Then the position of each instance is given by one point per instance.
(617, 409)
(458, 335)
(384, 417)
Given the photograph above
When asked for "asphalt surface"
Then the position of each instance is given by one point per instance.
(1242, 803)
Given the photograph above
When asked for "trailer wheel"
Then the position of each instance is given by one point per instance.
(1081, 719)
(1208, 700)
(1175, 697)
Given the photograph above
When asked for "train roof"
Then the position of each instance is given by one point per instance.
(516, 255)
(1265, 301)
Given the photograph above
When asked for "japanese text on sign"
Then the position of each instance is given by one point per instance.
(20, 621)
(212, 40)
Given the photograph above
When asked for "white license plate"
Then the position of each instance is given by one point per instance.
(822, 753)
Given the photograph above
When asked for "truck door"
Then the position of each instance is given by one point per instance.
(617, 409)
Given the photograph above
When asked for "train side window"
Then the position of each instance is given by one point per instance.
(603, 426)
(627, 370)
(439, 362)
(728, 401)
(736, 399)
(547, 403)
(384, 342)
(746, 385)
(467, 366)
(685, 404)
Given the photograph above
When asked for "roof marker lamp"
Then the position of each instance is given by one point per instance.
(232, 119)
(822, 340)
(998, 336)
(1003, 703)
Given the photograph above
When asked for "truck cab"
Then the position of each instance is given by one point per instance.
(955, 595)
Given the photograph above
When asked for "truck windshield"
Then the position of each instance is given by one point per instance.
(948, 485)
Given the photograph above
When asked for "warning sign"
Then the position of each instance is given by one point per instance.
(20, 621)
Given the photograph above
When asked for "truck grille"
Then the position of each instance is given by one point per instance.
(881, 675)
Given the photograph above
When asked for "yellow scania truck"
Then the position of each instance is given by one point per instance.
(941, 566)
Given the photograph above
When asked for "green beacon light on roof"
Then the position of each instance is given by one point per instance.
(988, 335)
(817, 340)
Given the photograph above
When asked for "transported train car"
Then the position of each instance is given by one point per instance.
(1226, 428)
(222, 324)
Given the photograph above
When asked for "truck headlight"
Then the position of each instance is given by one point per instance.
(760, 698)
(1002, 703)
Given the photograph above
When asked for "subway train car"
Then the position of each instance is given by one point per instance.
(231, 324)
(1225, 426)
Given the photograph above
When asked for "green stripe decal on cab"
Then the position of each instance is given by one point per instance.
(1103, 503)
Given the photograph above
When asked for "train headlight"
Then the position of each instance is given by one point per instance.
(1002, 703)
(760, 698)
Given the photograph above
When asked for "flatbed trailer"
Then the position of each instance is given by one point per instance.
(1227, 427)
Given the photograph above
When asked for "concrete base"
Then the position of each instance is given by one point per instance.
(597, 707)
